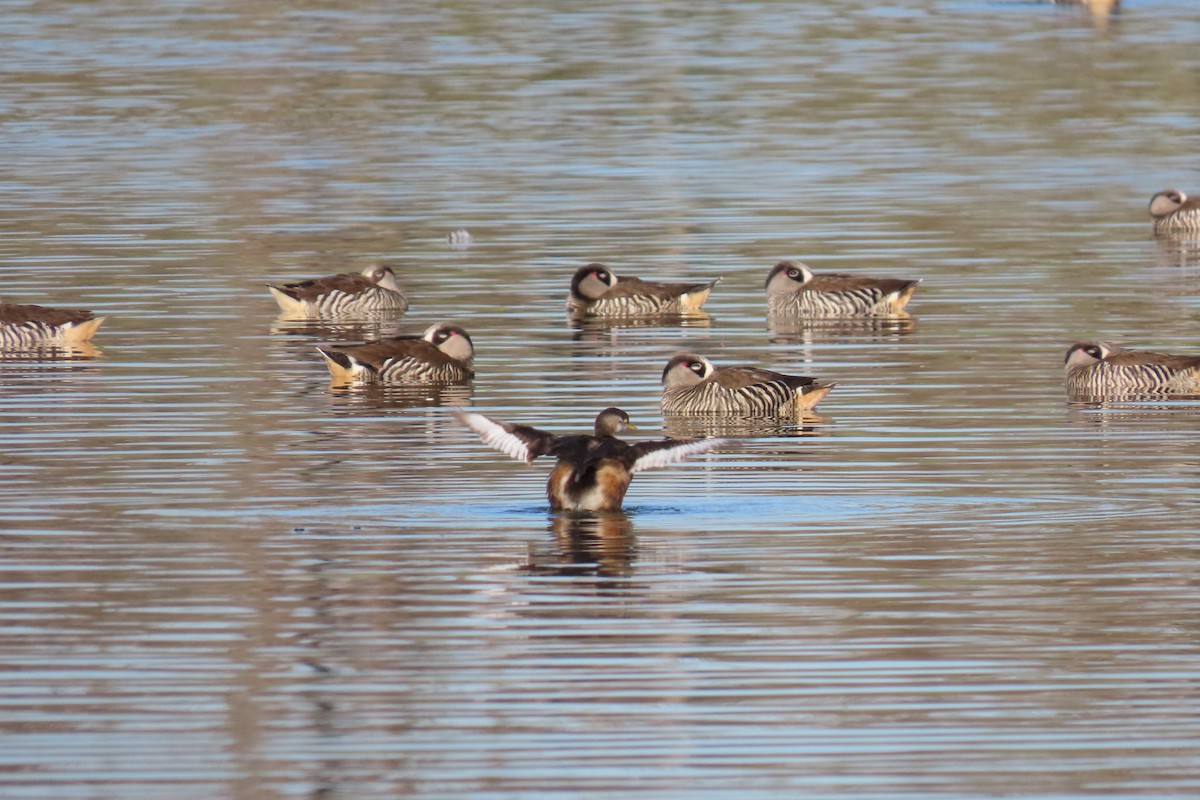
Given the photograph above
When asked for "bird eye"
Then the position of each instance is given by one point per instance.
(1093, 351)
(793, 273)
(696, 366)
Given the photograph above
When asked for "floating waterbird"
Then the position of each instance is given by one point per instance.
(593, 471)
(1096, 370)
(691, 384)
(794, 289)
(597, 291)
(371, 291)
(28, 326)
(443, 354)
(1172, 211)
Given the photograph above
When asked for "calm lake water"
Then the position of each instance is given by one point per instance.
(222, 579)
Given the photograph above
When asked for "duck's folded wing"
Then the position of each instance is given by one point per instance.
(648, 455)
(13, 313)
(745, 377)
(516, 441)
(841, 282)
(1144, 358)
(629, 286)
(311, 290)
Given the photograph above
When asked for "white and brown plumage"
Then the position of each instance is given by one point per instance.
(27, 326)
(1097, 370)
(1174, 211)
(443, 354)
(371, 291)
(795, 290)
(593, 470)
(597, 291)
(692, 385)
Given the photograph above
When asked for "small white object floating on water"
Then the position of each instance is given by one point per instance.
(460, 238)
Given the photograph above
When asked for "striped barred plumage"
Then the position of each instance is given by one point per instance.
(372, 291)
(767, 398)
(597, 291)
(635, 306)
(370, 299)
(443, 354)
(692, 385)
(1096, 370)
(1174, 211)
(850, 303)
(795, 290)
(410, 369)
(22, 336)
(24, 327)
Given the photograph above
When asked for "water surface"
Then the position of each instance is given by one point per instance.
(223, 578)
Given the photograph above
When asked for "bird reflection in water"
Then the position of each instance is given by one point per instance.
(787, 329)
(599, 544)
(382, 395)
(1181, 250)
(75, 351)
(358, 328)
(603, 330)
(725, 426)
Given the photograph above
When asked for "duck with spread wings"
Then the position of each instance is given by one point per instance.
(593, 471)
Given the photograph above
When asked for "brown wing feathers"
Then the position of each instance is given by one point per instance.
(13, 313)
(311, 290)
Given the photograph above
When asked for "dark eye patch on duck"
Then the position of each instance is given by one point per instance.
(1092, 351)
(696, 367)
(793, 273)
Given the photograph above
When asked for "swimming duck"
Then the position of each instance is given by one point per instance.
(1173, 210)
(794, 289)
(373, 290)
(597, 291)
(1095, 369)
(691, 384)
(593, 471)
(442, 354)
(28, 326)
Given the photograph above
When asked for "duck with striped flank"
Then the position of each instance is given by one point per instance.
(593, 471)
(795, 290)
(372, 291)
(692, 385)
(23, 327)
(443, 354)
(597, 291)
(1175, 212)
(1096, 370)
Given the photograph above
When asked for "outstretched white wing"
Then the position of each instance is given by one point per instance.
(496, 435)
(668, 451)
